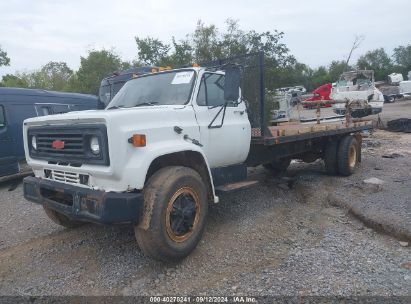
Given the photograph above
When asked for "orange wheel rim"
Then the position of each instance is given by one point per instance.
(182, 215)
(352, 157)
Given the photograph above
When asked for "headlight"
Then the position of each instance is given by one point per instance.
(34, 142)
(94, 145)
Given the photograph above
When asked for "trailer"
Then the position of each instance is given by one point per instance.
(167, 145)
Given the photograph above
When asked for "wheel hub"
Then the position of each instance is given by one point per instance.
(182, 214)
(352, 159)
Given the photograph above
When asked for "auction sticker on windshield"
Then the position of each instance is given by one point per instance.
(182, 77)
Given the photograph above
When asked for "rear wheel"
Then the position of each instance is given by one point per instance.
(61, 219)
(330, 158)
(347, 156)
(177, 198)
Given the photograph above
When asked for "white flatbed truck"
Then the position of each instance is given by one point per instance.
(164, 148)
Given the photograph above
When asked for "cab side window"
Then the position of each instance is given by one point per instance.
(211, 92)
(2, 118)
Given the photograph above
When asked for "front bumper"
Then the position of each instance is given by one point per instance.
(84, 204)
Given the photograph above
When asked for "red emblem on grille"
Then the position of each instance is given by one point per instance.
(58, 144)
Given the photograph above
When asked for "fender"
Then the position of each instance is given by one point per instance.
(142, 160)
(148, 207)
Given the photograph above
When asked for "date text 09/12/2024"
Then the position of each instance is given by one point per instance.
(202, 299)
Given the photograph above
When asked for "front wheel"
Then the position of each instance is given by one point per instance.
(177, 200)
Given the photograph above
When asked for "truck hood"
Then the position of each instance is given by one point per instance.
(157, 123)
(101, 116)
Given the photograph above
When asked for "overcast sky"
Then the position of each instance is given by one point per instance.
(34, 32)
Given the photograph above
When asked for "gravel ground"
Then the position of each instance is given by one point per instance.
(386, 206)
(267, 240)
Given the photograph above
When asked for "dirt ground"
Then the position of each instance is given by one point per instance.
(282, 237)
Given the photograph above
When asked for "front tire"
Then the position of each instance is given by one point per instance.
(177, 198)
(61, 219)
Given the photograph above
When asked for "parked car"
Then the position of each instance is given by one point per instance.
(298, 88)
(17, 104)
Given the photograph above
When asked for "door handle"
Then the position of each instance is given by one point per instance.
(239, 112)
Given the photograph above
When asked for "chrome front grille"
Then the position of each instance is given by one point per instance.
(69, 144)
(73, 144)
(63, 176)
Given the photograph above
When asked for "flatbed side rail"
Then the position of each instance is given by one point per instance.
(274, 140)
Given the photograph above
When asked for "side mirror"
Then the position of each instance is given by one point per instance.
(232, 83)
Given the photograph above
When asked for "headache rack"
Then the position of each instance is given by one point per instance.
(258, 83)
(253, 83)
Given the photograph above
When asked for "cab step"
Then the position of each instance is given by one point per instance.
(235, 186)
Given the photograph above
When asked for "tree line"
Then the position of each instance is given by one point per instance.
(205, 44)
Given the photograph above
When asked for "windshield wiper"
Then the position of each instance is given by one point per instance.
(147, 103)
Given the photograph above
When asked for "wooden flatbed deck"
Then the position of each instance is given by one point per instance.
(294, 132)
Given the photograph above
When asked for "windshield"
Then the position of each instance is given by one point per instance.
(167, 88)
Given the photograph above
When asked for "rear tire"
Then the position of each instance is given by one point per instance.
(330, 158)
(177, 198)
(347, 156)
(61, 219)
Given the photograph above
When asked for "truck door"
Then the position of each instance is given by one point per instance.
(8, 160)
(225, 131)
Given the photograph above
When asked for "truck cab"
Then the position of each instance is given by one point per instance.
(179, 130)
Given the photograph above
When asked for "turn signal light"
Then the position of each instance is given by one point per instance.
(138, 140)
